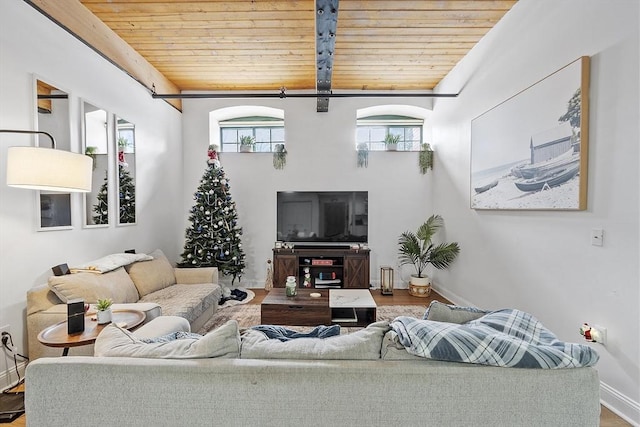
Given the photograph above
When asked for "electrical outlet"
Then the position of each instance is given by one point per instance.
(601, 334)
(7, 329)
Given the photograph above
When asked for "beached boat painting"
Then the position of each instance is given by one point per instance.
(530, 151)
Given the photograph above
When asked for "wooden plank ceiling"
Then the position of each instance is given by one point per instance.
(254, 45)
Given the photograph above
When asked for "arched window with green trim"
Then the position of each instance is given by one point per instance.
(373, 131)
(264, 131)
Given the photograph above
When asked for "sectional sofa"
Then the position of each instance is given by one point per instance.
(242, 378)
(137, 281)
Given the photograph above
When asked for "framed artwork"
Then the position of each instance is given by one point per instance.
(531, 151)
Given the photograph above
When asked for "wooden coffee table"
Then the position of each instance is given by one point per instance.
(57, 336)
(304, 310)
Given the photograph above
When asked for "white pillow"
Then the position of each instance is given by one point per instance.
(110, 262)
(221, 342)
(364, 344)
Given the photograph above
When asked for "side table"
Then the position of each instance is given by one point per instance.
(57, 336)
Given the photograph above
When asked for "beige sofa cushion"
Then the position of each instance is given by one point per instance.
(188, 301)
(364, 344)
(151, 276)
(90, 287)
(221, 342)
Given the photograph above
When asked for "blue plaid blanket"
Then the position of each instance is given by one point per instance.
(507, 338)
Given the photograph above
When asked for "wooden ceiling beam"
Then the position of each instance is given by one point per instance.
(84, 25)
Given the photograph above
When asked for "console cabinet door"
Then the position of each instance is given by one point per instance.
(283, 266)
(356, 271)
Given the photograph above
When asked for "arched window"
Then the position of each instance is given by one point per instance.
(406, 123)
(263, 126)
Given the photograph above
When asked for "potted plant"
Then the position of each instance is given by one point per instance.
(92, 152)
(391, 142)
(103, 313)
(419, 250)
(247, 143)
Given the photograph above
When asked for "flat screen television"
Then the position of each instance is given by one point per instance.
(322, 217)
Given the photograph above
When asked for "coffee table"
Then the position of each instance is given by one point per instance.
(350, 307)
(57, 336)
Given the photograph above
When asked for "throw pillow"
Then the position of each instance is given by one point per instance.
(90, 287)
(151, 276)
(221, 342)
(364, 344)
(440, 312)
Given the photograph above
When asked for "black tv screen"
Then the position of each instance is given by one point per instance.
(322, 217)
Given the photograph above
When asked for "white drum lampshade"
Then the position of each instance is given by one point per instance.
(48, 169)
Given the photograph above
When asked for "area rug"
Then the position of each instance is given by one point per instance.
(249, 315)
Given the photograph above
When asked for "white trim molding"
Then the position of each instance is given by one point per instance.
(620, 404)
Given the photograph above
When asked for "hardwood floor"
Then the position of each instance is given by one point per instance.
(400, 297)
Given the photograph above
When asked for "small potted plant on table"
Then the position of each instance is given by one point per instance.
(419, 250)
(103, 313)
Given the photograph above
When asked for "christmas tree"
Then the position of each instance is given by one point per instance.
(213, 239)
(126, 192)
(101, 208)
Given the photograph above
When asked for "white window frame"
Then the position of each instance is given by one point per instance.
(378, 126)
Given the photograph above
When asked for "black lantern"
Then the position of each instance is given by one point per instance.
(386, 280)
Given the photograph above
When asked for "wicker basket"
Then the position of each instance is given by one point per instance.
(421, 291)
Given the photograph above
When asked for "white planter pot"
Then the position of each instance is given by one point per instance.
(246, 148)
(420, 286)
(392, 147)
(103, 316)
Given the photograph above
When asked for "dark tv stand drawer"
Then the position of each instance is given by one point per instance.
(330, 267)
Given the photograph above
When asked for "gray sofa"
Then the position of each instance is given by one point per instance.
(153, 286)
(311, 382)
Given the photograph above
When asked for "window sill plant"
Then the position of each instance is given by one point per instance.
(391, 142)
(247, 143)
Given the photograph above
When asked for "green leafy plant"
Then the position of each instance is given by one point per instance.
(122, 142)
(419, 250)
(92, 152)
(391, 139)
(247, 140)
(104, 304)
(425, 158)
(279, 156)
(363, 155)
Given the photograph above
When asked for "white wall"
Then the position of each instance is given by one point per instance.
(543, 262)
(321, 156)
(30, 43)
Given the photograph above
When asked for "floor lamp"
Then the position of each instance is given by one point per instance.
(38, 168)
